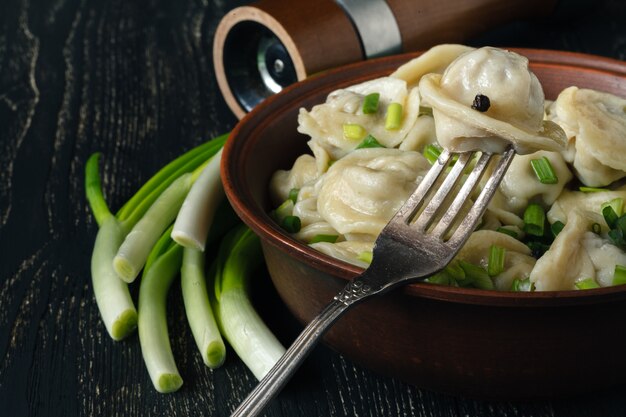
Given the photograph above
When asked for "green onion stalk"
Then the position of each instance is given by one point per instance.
(239, 255)
(163, 266)
(111, 293)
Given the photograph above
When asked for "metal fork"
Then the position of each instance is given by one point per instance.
(416, 243)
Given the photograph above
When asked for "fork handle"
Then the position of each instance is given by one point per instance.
(291, 360)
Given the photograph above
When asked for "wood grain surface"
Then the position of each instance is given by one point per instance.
(135, 81)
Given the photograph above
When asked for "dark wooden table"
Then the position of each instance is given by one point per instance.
(135, 81)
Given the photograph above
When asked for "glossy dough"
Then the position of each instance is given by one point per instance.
(515, 115)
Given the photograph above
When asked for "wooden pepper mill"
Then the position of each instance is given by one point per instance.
(261, 48)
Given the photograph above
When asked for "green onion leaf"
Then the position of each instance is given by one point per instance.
(369, 142)
(455, 271)
(507, 231)
(534, 219)
(587, 284)
(353, 131)
(370, 103)
(393, 120)
(619, 276)
(591, 189)
(544, 171)
(495, 265)
(365, 257)
(616, 236)
(291, 224)
(477, 275)
(293, 195)
(324, 238)
(440, 278)
(612, 210)
(432, 152)
(537, 248)
(556, 228)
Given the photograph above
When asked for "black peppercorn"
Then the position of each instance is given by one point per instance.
(481, 103)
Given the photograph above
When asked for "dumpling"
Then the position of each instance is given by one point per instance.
(588, 204)
(521, 186)
(362, 191)
(324, 122)
(303, 171)
(596, 124)
(487, 99)
(567, 261)
(435, 60)
(517, 261)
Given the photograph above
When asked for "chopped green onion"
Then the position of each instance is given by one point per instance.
(370, 103)
(495, 265)
(587, 284)
(353, 131)
(293, 195)
(557, 227)
(612, 210)
(477, 275)
(537, 248)
(455, 271)
(369, 142)
(440, 278)
(596, 228)
(616, 236)
(534, 219)
(591, 189)
(393, 120)
(507, 231)
(619, 276)
(291, 224)
(621, 223)
(544, 171)
(522, 285)
(239, 255)
(282, 211)
(432, 152)
(324, 238)
(365, 257)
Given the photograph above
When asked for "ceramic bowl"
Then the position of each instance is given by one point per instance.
(461, 341)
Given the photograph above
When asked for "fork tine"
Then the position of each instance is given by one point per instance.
(426, 216)
(413, 203)
(468, 224)
(453, 210)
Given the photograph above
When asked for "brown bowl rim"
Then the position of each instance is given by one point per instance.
(260, 222)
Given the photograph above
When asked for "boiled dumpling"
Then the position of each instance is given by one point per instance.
(567, 261)
(303, 171)
(596, 125)
(588, 204)
(517, 260)
(324, 122)
(435, 60)
(515, 111)
(364, 189)
(521, 186)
